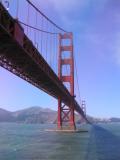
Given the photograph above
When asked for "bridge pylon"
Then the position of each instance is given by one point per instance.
(84, 110)
(84, 106)
(66, 119)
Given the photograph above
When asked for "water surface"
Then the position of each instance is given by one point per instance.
(31, 142)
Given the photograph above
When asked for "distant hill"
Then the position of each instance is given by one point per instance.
(29, 115)
(115, 119)
(35, 115)
(42, 115)
(6, 116)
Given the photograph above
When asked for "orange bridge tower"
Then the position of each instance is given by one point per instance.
(66, 59)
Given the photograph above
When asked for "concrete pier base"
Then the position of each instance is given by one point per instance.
(67, 130)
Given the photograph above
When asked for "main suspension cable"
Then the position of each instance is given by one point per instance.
(36, 28)
(45, 16)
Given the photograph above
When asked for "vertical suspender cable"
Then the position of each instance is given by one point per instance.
(54, 52)
(49, 44)
(57, 53)
(50, 49)
(77, 80)
(35, 33)
(42, 34)
(17, 11)
(54, 55)
(46, 42)
(28, 18)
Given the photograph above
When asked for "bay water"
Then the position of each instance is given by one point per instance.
(32, 142)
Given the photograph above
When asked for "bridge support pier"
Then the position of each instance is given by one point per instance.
(66, 120)
(65, 117)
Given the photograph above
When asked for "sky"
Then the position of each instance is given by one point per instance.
(96, 28)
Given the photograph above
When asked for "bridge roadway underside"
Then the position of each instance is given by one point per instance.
(26, 62)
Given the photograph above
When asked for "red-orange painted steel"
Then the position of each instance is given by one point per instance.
(19, 33)
(66, 113)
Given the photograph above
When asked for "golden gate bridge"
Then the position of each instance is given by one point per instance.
(39, 51)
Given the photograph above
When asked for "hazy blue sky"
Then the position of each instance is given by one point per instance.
(96, 28)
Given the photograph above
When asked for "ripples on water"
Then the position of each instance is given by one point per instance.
(31, 142)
